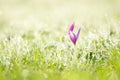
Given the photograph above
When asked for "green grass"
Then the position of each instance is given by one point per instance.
(34, 44)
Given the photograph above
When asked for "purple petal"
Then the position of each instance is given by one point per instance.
(78, 33)
(71, 27)
(73, 37)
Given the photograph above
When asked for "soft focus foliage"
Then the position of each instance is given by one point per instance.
(34, 44)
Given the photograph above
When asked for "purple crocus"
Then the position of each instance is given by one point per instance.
(73, 36)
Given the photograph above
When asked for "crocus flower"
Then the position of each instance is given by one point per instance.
(73, 37)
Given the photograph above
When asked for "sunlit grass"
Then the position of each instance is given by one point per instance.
(34, 44)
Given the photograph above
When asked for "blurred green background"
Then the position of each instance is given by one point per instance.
(34, 43)
(58, 14)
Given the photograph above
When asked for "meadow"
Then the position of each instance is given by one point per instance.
(34, 41)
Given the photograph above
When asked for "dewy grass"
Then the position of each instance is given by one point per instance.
(34, 43)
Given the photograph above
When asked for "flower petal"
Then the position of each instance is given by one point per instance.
(78, 33)
(71, 27)
(73, 37)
